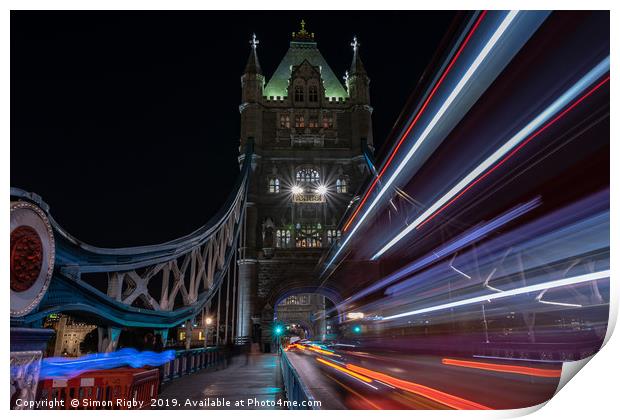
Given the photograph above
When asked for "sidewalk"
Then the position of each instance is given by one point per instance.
(256, 385)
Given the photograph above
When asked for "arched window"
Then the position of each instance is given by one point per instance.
(342, 186)
(299, 121)
(283, 238)
(274, 185)
(313, 94)
(307, 175)
(299, 93)
(285, 121)
(333, 235)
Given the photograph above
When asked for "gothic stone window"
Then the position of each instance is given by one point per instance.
(307, 175)
(313, 94)
(274, 185)
(342, 185)
(299, 93)
(299, 121)
(333, 235)
(308, 236)
(313, 121)
(285, 121)
(283, 238)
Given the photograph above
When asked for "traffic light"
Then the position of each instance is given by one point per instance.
(357, 329)
(278, 330)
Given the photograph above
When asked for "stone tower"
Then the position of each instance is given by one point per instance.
(309, 132)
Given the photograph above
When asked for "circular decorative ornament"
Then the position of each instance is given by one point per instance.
(32, 256)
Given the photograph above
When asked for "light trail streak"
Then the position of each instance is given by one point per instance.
(507, 293)
(60, 367)
(415, 119)
(509, 149)
(520, 370)
(345, 370)
(436, 395)
(488, 47)
(461, 242)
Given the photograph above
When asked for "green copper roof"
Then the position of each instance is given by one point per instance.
(296, 54)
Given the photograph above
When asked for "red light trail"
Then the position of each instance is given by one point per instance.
(521, 370)
(415, 120)
(513, 152)
(441, 397)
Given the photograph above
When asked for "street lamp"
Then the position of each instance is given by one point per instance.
(296, 190)
(278, 330)
(208, 321)
(322, 189)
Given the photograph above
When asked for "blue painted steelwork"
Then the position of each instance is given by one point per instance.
(69, 292)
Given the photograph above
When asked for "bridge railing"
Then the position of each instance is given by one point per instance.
(296, 390)
(189, 361)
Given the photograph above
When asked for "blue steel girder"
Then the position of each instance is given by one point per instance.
(69, 292)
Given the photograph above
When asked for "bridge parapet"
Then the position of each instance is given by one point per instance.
(296, 392)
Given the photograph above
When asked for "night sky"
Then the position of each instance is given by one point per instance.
(127, 123)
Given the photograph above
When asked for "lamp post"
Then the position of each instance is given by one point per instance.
(207, 325)
(278, 330)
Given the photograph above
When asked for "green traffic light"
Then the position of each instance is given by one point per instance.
(278, 330)
(357, 329)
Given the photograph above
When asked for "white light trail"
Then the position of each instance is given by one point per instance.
(484, 52)
(567, 97)
(507, 293)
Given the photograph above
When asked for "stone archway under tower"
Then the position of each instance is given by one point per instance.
(302, 305)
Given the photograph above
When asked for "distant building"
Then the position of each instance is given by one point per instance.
(69, 335)
(310, 132)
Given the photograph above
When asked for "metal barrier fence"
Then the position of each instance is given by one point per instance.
(190, 361)
(296, 391)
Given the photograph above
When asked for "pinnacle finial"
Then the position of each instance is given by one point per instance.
(254, 41)
(355, 44)
(302, 34)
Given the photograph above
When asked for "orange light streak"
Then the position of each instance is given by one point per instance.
(441, 397)
(347, 371)
(521, 370)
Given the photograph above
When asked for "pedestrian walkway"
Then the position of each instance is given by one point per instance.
(252, 382)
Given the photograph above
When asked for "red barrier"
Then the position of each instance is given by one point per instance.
(121, 388)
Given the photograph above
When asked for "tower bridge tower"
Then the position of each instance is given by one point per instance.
(309, 130)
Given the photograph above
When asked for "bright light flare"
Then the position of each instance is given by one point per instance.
(321, 189)
(296, 190)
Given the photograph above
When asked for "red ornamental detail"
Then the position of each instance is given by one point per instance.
(26, 258)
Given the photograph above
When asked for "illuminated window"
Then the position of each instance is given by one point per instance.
(342, 186)
(274, 185)
(307, 175)
(299, 93)
(308, 236)
(285, 121)
(313, 121)
(328, 121)
(313, 94)
(333, 236)
(283, 238)
(296, 300)
(299, 121)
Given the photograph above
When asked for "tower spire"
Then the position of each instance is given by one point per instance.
(253, 66)
(357, 67)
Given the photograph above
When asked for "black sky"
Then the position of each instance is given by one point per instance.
(127, 123)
